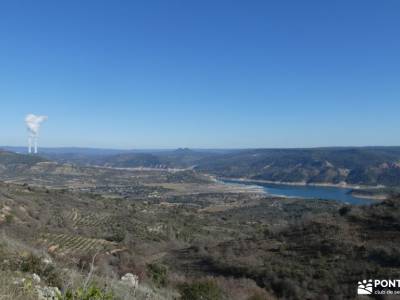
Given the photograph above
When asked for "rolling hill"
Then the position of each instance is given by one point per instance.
(350, 165)
(358, 166)
(365, 166)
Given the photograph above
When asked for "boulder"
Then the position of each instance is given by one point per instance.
(48, 293)
(131, 280)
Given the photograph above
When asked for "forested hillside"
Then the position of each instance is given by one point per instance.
(365, 166)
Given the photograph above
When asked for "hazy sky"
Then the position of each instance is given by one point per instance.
(124, 74)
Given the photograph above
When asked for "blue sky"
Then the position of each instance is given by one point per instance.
(224, 74)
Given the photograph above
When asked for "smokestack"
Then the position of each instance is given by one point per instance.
(33, 123)
(29, 145)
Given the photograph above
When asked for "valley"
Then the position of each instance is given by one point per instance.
(179, 229)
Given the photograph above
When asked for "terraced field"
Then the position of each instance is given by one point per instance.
(90, 222)
(64, 243)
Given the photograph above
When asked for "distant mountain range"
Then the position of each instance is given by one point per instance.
(364, 166)
(351, 165)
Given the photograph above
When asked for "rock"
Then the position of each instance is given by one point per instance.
(48, 293)
(53, 248)
(131, 280)
(36, 278)
(47, 261)
(19, 281)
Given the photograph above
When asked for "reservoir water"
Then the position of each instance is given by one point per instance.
(306, 191)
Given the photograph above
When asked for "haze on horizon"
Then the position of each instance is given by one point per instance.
(231, 74)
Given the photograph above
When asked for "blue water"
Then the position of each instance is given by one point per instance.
(311, 192)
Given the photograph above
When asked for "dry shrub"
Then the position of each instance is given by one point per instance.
(242, 289)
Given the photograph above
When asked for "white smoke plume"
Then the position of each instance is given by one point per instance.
(33, 124)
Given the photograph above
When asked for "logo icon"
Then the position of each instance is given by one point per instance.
(365, 287)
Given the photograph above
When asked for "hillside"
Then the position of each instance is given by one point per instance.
(179, 158)
(181, 233)
(238, 246)
(9, 159)
(316, 257)
(357, 166)
(58, 234)
(13, 164)
(364, 166)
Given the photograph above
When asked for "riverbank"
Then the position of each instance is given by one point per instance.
(377, 197)
(302, 183)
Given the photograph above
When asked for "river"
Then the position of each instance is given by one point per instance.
(306, 191)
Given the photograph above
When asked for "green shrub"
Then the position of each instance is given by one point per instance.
(51, 275)
(344, 210)
(48, 272)
(118, 236)
(91, 293)
(31, 264)
(9, 219)
(158, 274)
(201, 290)
(257, 296)
(385, 256)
